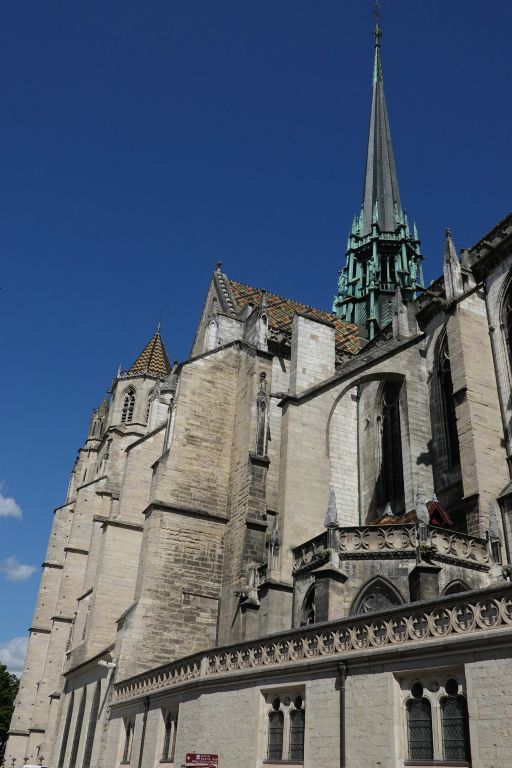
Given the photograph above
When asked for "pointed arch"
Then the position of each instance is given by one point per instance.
(128, 405)
(449, 433)
(391, 466)
(308, 614)
(378, 594)
(456, 586)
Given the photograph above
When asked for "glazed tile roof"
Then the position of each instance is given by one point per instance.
(153, 359)
(280, 313)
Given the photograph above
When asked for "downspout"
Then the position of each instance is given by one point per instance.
(342, 671)
(143, 735)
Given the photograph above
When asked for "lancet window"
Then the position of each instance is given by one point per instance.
(449, 418)
(285, 728)
(129, 728)
(392, 475)
(454, 718)
(170, 729)
(419, 725)
(436, 722)
(128, 405)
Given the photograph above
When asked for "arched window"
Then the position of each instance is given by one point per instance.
(65, 733)
(376, 595)
(451, 436)
(129, 727)
(210, 336)
(308, 608)
(148, 406)
(454, 717)
(275, 731)
(261, 427)
(128, 405)
(78, 730)
(456, 586)
(91, 730)
(419, 725)
(297, 719)
(392, 475)
(170, 725)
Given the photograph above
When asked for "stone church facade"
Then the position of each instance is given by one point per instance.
(292, 548)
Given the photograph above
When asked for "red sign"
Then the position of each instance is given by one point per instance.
(200, 760)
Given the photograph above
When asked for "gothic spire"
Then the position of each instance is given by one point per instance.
(382, 254)
(381, 197)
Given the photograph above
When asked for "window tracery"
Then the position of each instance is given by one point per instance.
(285, 727)
(308, 608)
(436, 721)
(376, 595)
(128, 405)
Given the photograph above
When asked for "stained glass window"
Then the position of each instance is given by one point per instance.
(419, 726)
(275, 734)
(455, 728)
(297, 734)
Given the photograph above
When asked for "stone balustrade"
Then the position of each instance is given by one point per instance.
(456, 616)
(395, 541)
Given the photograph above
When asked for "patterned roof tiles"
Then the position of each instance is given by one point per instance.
(280, 313)
(153, 359)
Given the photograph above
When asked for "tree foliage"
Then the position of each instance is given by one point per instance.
(8, 690)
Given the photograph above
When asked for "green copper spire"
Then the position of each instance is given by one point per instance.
(381, 254)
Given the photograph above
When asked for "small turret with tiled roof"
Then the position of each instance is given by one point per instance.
(153, 359)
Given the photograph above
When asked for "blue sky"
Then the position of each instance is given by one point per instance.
(142, 142)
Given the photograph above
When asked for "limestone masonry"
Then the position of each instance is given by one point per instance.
(292, 548)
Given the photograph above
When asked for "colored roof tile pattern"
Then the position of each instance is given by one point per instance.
(280, 312)
(153, 359)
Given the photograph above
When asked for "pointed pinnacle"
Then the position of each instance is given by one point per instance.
(450, 251)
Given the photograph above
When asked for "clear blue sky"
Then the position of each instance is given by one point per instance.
(142, 142)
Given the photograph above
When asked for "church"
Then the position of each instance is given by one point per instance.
(292, 548)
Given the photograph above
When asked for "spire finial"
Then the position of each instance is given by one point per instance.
(377, 31)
